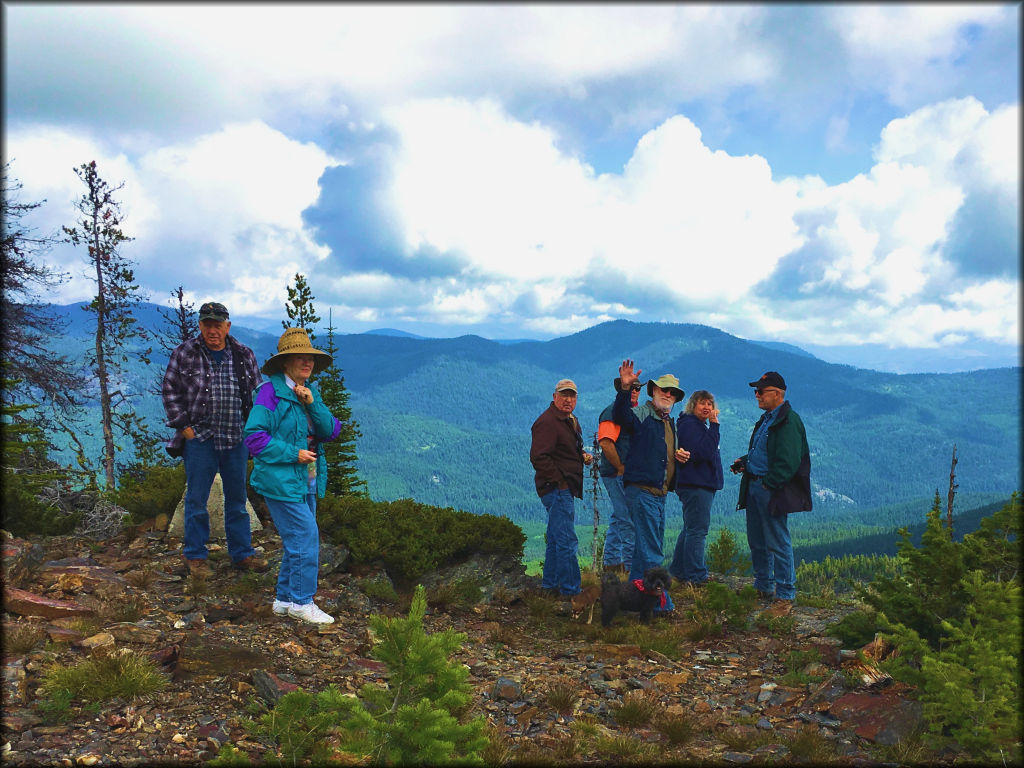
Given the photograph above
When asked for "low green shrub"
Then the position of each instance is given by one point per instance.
(724, 555)
(149, 490)
(412, 539)
(23, 514)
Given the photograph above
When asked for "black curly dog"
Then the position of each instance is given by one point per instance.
(624, 596)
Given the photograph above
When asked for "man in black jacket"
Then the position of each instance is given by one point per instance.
(776, 481)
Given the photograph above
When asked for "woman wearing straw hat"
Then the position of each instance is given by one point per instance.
(287, 422)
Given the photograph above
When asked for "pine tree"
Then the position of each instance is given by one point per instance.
(414, 717)
(301, 313)
(179, 324)
(342, 476)
(116, 296)
(28, 324)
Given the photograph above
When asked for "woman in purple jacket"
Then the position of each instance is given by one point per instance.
(697, 480)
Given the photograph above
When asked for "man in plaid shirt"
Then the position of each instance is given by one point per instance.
(207, 394)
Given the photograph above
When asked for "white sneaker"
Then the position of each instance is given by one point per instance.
(281, 607)
(310, 613)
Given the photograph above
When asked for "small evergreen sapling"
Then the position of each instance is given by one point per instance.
(415, 717)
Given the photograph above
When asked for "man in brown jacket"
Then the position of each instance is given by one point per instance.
(558, 457)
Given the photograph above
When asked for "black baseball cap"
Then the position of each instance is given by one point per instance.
(212, 310)
(770, 379)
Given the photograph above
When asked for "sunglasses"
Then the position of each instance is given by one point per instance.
(766, 389)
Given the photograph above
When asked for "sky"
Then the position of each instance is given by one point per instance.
(830, 175)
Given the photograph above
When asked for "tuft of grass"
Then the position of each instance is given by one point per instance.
(746, 739)
(777, 626)
(197, 585)
(795, 663)
(540, 608)
(130, 609)
(378, 589)
(249, 583)
(503, 596)
(637, 709)
(503, 634)
(142, 578)
(87, 625)
(810, 746)
(455, 594)
(625, 747)
(585, 727)
(566, 748)
(19, 639)
(499, 747)
(124, 674)
(678, 729)
(909, 751)
(55, 706)
(561, 694)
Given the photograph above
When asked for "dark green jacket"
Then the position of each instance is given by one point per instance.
(789, 464)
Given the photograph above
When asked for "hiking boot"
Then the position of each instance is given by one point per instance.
(779, 608)
(280, 607)
(197, 568)
(769, 596)
(252, 563)
(309, 613)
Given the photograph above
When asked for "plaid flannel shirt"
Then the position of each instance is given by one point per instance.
(188, 388)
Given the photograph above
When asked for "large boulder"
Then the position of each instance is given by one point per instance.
(215, 507)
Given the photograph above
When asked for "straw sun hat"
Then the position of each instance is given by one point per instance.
(295, 341)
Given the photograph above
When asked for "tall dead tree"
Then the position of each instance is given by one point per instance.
(116, 295)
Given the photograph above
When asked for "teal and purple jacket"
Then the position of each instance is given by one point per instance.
(275, 432)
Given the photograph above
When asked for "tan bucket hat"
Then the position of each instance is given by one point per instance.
(666, 381)
(295, 341)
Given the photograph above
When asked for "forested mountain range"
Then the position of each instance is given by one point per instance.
(447, 421)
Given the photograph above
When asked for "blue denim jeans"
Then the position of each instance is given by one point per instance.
(300, 542)
(561, 567)
(688, 558)
(771, 551)
(202, 463)
(647, 512)
(619, 539)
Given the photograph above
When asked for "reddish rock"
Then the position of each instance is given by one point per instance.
(27, 603)
(63, 635)
(98, 645)
(270, 686)
(879, 718)
(79, 576)
(19, 557)
(371, 664)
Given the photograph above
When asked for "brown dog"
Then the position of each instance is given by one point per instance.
(585, 599)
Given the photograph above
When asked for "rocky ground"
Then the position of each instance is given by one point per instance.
(224, 652)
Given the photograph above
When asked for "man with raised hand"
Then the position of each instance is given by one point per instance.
(650, 466)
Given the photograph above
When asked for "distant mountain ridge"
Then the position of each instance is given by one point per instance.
(447, 421)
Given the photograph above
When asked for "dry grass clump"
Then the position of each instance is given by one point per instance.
(19, 639)
(142, 578)
(637, 709)
(499, 747)
(678, 729)
(123, 674)
(561, 694)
